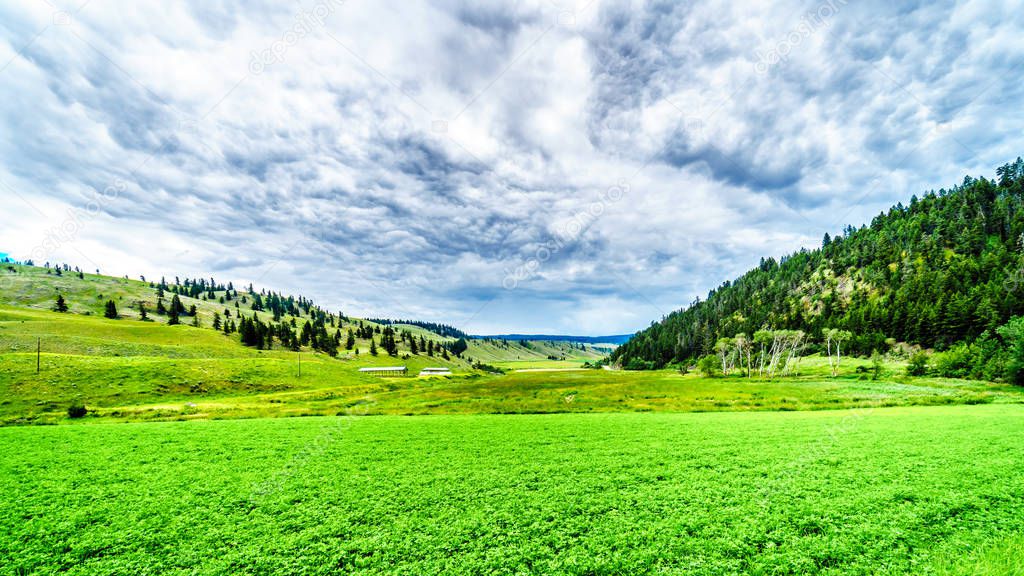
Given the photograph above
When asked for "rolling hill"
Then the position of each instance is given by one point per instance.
(129, 361)
(613, 339)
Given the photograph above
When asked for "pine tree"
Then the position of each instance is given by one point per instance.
(216, 321)
(61, 306)
(350, 342)
(143, 315)
(172, 314)
(111, 310)
(177, 308)
(373, 347)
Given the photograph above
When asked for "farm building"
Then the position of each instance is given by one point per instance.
(442, 371)
(385, 370)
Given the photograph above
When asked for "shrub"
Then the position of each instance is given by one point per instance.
(876, 365)
(1013, 335)
(918, 365)
(488, 368)
(955, 362)
(709, 366)
(77, 410)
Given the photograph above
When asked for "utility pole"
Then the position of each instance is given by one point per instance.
(39, 347)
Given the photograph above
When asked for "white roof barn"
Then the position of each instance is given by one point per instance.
(436, 371)
(385, 370)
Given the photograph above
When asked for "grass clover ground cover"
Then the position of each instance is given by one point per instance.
(883, 491)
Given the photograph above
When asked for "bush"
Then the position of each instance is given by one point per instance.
(488, 368)
(709, 366)
(877, 365)
(956, 362)
(918, 365)
(1013, 335)
(77, 410)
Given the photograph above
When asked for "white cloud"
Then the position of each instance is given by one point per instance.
(400, 159)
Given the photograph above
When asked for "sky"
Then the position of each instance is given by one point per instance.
(543, 167)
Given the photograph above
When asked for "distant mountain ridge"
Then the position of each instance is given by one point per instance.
(614, 339)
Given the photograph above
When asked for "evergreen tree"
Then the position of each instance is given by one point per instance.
(143, 315)
(373, 347)
(459, 346)
(177, 308)
(306, 336)
(61, 306)
(111, 310)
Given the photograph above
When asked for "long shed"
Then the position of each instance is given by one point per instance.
(385, 370)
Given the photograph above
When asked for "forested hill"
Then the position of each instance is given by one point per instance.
(946, 268)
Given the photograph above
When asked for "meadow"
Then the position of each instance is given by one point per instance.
(130, 370)
(936, 490)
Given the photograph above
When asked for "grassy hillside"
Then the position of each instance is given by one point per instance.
(512, 354)
(923, 491)
(37, 288)
(126, 369)
(116, 365)
(945, 270)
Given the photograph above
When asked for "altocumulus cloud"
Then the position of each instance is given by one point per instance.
(550, 166)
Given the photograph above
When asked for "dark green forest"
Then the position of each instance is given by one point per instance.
(944, 272)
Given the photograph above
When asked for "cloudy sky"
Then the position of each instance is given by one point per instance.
(552, 166)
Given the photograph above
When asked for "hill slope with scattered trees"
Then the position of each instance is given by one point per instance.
(945, 272)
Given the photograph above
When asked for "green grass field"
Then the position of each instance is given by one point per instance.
(936, 490)
(130, 370)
